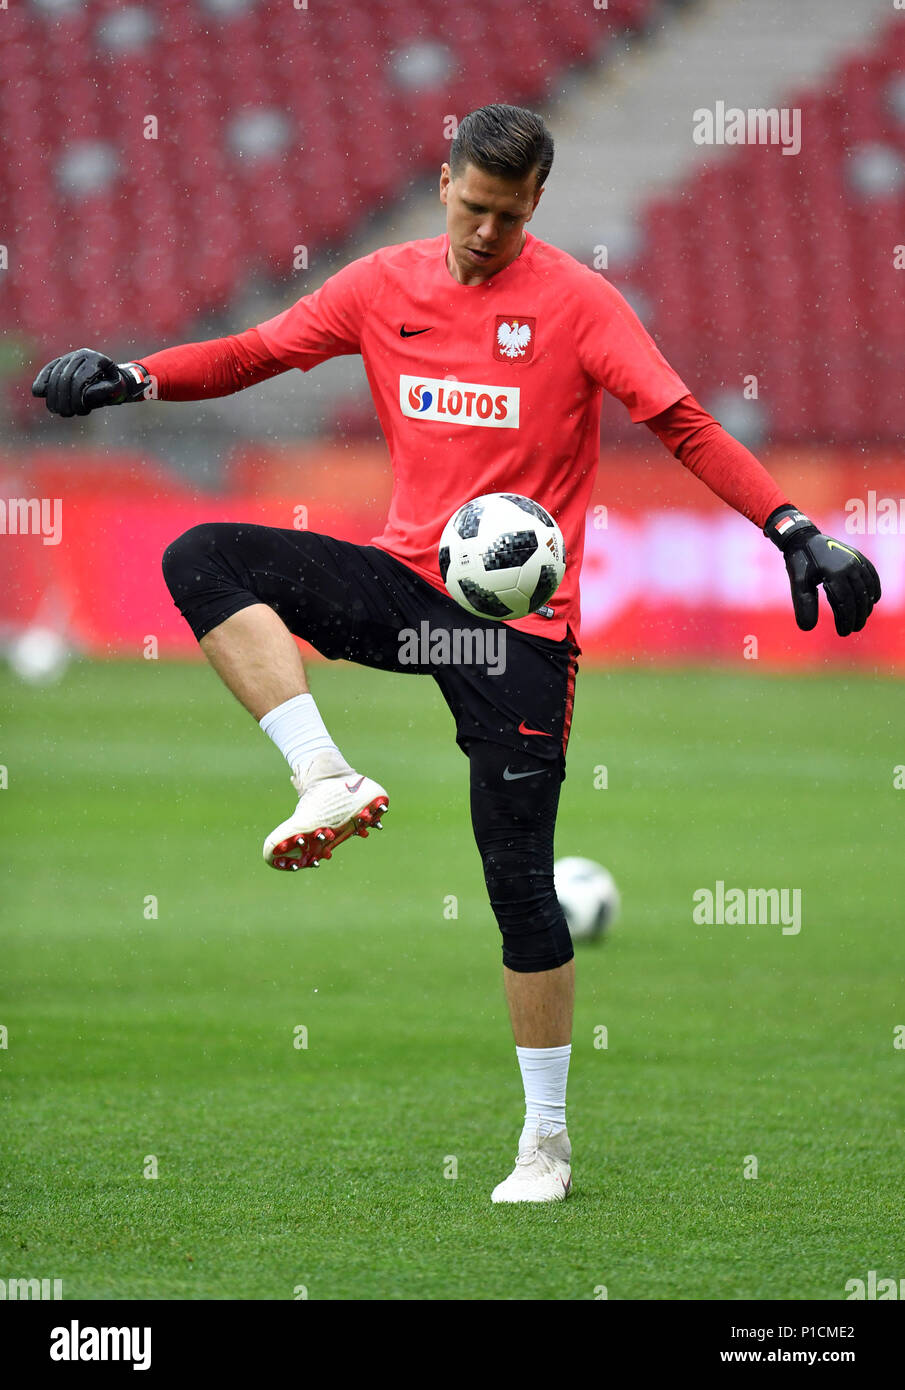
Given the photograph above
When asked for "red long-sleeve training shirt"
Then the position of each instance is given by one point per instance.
(488, 388)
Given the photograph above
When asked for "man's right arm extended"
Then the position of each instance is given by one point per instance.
(84, 380)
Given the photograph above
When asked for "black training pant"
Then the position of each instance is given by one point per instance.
(509, 693)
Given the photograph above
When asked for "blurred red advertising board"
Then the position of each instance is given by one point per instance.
(670, 572)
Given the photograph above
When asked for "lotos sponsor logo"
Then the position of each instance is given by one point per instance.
(459, 402)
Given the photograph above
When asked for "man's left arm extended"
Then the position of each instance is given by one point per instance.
(850, 581)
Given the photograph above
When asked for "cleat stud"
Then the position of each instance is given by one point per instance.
(378, 825)
(315, 864)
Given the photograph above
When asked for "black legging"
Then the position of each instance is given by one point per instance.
(351, 601)
(513, 826)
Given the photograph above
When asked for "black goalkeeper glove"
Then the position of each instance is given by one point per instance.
(849, 580)
(84, 380)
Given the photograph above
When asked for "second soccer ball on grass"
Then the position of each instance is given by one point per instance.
(588, 896)
(502, 556)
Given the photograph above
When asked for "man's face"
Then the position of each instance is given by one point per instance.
(485, 219)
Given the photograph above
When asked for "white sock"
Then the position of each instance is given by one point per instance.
(297, 730)
(545, 1072)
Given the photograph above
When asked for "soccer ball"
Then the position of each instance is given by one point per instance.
(39, 656)
(502, 556)
(588, 896)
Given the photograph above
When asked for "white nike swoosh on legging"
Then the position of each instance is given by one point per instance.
(514, 776)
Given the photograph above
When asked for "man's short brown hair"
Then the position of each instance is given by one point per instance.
(508, 141)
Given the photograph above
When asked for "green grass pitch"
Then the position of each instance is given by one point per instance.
(325, 1167)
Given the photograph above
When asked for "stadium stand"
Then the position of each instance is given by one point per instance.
(279, 126)
(785, 268)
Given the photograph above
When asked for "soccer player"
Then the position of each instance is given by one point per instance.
(487, 352)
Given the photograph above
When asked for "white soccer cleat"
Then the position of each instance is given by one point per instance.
(542, 1172)
(335, 802)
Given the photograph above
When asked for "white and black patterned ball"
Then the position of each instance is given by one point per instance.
(588, 896)
(502, 556)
